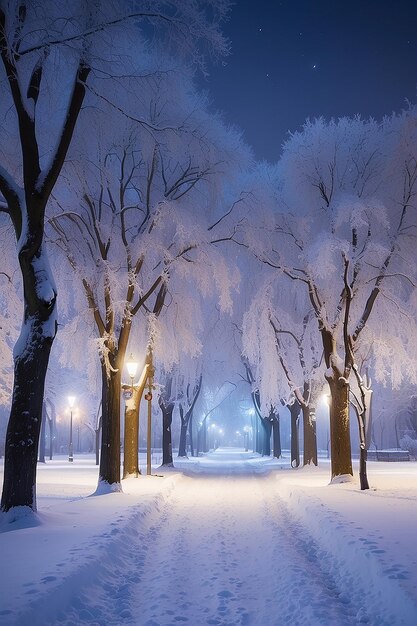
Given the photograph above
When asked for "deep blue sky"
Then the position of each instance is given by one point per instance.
(294, 59)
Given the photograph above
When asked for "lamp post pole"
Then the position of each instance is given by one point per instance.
(71, 401)
(148, 397)
(131, 426)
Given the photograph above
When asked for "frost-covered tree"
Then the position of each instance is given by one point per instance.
(345, 233)
(50, 52)
(282, 345)
(147, 212)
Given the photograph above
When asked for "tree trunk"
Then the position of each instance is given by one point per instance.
(109, 471)
(190, 431)
(31, 357)
(42, 438)
(131, 434)
(258, 437)
(295, 446)
(131, 430)
(266, 430)
(182, 449)
(361, 410)
(97, 450)
(51, 438)
(186, 419)
(341, 456)
(363, 454)
(167, 411)
(310, 439)
(276, 436)
(276, 439)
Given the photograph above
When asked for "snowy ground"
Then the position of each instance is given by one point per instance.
(230, 539)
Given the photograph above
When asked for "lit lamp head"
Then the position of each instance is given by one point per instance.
(71, 402)
(131, 366)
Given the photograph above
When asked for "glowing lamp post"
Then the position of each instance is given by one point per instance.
(132, 367)
(71, 403)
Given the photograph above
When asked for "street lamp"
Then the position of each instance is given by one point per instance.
(131, 366)
(211, 440)
(246, 437)
(71, 403)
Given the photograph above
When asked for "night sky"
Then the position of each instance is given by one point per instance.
(303, 58)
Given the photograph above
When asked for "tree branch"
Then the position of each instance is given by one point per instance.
(99, 28)
(46, 185)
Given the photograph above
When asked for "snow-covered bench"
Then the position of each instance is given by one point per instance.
(392, 455)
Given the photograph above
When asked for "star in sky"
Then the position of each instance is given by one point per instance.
(301, 42)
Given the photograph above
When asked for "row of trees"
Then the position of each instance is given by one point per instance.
(342, 244)
(113, 159)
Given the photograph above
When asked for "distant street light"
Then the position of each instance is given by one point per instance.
(71, 403)
(254, 425)
(246, 437)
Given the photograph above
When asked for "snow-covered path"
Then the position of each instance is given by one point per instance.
(227, 539)
(224, 552)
